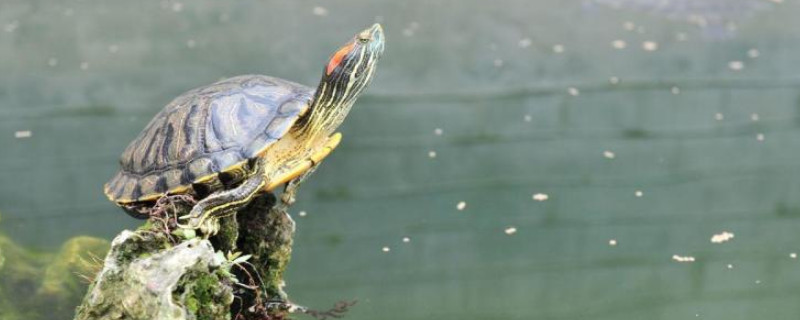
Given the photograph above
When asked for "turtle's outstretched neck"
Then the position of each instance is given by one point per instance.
(349, 70)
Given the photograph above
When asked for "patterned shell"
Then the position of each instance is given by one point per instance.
(206, 131)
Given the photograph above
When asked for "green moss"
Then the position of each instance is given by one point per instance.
(144, 242)
(205, 295)
(62, 286)
(41, 285)
(225, 239)
(22, 272)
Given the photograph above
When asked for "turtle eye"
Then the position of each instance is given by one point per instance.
(364, 37)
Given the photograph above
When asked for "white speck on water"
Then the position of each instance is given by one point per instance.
(412, 27)
(682, 258)
(438, 131)
(613, 80)
(619, 44)
(461, 205)
(524, 42)
(793, 255)
(680, 36)
(722, 237)
(113, 48)
(191, 43)
(431, 154)
(302, 213)
(609, 155)
(758, 281)
(754, 117)
(23, 134)
(736, 65)
(52, 62)
(540, 197)
(675, 90)
(630, 26)
(719, 116)
(753, 53)
(385, 249)
(638, 193)
(11, 26)
(559, 48)
(650, 45)
(510, 230)
(320, 11)
(528, 118)
(84, 65)
(498, 63)
(573, 91)
(760, 137)
(730, 266)
(612, 242)
(177, 7)
(406, 239)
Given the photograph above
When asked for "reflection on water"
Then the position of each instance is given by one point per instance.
(512, 159)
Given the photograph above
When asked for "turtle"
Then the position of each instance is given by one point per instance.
(229, 141)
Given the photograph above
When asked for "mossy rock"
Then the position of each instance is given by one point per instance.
(144, 277)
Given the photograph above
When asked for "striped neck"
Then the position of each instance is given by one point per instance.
(347, 73)
(324, 117)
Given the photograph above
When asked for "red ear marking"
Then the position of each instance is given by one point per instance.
(337, 58)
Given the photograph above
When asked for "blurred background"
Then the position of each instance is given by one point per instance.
(583, 159)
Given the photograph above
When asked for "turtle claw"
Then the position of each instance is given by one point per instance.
(288, 198)
(196, 220)
(286, 306)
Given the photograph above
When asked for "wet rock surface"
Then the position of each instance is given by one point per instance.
(160, 272)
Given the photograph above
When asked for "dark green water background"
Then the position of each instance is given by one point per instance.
(85, 76)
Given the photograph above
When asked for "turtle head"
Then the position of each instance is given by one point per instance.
(351, 68)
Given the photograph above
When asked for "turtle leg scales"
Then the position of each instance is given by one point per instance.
(297, 174)
(206, 213)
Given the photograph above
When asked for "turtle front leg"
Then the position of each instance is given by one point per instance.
(206, 213)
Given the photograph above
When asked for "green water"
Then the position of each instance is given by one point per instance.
(710, 148)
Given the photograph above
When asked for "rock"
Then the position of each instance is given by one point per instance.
(145, 277)
(163, 272)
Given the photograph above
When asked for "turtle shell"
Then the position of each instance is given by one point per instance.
(206, 131)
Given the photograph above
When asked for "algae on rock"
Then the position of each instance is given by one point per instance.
(153, 274)
(44, 285)
(184, 281)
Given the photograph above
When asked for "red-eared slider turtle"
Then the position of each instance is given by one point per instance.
(231, 140)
